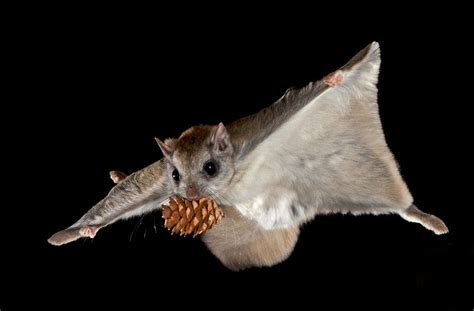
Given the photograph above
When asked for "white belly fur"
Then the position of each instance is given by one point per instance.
(329, 154)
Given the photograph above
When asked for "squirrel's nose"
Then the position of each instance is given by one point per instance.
(192, 193)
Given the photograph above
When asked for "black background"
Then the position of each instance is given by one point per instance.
(90, 92)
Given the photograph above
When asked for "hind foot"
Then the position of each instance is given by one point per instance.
(430, 222)
(436, 225)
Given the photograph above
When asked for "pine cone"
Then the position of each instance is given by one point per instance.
(191, 217)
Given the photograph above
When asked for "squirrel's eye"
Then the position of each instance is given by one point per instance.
(210, 168)
(175, 175)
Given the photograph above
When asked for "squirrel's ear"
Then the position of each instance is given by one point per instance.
(220, 139)
(167, 147)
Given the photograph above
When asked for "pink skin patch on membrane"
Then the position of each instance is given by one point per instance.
(88, 232)
(333, 79)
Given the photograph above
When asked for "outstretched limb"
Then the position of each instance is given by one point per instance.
(136, 194)
(431, 222)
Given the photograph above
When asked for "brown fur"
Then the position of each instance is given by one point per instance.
(241, 243)
(316, 150)
(193, 139)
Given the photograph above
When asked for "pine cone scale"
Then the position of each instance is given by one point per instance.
(191, 217)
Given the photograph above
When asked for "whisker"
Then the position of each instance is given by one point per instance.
(225, 200)
(220, 197)
(139, 222)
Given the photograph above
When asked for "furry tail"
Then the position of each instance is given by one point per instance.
(430, 222)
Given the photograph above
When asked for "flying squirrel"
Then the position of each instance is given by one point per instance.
(316, 150)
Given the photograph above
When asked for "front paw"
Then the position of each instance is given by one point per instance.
(117, 176)
(88, 232)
